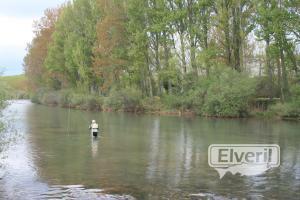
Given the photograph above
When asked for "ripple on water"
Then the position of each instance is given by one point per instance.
(80, 192)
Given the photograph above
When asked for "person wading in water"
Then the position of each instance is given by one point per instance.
(94, 127)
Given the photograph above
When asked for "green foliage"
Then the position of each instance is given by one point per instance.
(225, 93)
(172, 101)
(16, 87)
(295, 94)
(229, 94)
(3, 95)
(156, 54)
(70, 52)
(153, 104)
(51, 98)
(128, 99)
(290, 109)
(68, 99)
(3, 103)
(38, 95)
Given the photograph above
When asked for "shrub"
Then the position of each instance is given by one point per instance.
(295, 95)
(114, 101)
(224, 93)
(93, 103)
(2, 98)
(51, 98)
(38, 96)
(173, 101)
(128, 99)
(65, 98)
(290, 109)
(152, 104)
(195, 97)
(279, 109)
(229, 94)
(76, 100)
(3, 95)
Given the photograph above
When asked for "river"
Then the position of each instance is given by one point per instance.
(48, 153)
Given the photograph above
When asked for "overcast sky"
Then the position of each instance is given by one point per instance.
(16, 20)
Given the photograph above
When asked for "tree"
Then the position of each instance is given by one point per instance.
(140, 70)
(71, 53)
(110, 51)
(38, 48)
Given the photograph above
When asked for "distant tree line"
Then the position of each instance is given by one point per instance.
(204, 53)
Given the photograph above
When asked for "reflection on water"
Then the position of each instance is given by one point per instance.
(94, 144)
(19, 176)
(147, 157)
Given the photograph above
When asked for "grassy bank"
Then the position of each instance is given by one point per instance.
(131, 100)
(128, 100)
(3, 102)
(16, 86)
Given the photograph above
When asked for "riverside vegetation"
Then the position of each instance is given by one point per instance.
(16, 87)
(3, 103)
(214, 58)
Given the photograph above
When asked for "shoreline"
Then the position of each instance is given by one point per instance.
(171, 113)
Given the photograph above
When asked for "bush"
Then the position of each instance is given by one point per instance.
(229, 95)
(225, 93)
(2, 98)
(76, 100)
(295, 95)
(21, 95)
(152, 104)
(173, 101)
(68, 98)
(290, 109)
(51, 98)
(195, 97)
(65, 98)
(38, 96)
(128, 100)
(93, 103)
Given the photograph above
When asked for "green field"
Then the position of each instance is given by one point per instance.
(17, 86)
(18, 82)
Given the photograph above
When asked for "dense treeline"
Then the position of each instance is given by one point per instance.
(212, 57)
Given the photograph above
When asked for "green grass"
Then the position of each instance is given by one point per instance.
(18, 82)
(16, 86)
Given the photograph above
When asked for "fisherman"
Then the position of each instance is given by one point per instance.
(94, 128)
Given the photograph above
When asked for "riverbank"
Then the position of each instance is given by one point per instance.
(130, 101)
(118, 103)
(16, 87)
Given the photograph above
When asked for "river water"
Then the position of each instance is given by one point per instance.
(48, 153)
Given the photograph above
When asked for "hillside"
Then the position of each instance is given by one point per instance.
(17, 85)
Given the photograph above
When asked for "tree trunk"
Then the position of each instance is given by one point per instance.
(156, 51)
(191, 35)
(182, 49)
(205, 38)
(279, 79)
(236, 38)
(269, 68)
(284, 76)
(227, 34)
(166, 49)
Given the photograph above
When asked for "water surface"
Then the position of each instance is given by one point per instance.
(47, 153)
